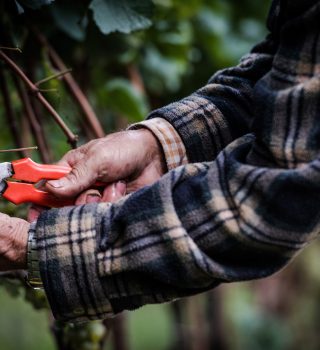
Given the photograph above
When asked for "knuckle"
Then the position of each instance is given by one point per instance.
(78, 177)
(69, 155)
(74, 176)
(92, 143)
(75, 155)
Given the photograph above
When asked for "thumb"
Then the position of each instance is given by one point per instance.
(80, 178)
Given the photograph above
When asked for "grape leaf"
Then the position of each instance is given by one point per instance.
(123, 98)
(35, 4)
(70, 20)
(19, 8)
(123, 16)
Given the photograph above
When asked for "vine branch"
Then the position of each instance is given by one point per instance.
(136, 79)
(54, 76)
(11, 48)
(10, 115)
(73, 87)
(32, 148)
(72, 138)
(33, 122)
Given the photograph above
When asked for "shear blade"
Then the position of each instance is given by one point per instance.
(6, 171)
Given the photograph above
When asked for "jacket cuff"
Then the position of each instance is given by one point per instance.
(172, 144)
(67, 244)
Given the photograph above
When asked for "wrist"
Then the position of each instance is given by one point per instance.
(20, 246)
(172, 146)
(153, 146)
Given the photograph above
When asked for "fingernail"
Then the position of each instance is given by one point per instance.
(93, 198)
(121, 187)
(55, 183)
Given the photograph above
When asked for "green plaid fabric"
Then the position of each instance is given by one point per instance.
(246, 205)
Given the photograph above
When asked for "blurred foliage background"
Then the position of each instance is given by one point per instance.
(130, 57)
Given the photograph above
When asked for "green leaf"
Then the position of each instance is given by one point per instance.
(162, 73)
(123, 98)
(19, 8)
(35, 4)
(123, 16)
(69, 20)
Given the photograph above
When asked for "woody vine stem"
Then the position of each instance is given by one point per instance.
(72, 138)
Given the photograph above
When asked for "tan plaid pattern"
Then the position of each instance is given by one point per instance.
(172, 145)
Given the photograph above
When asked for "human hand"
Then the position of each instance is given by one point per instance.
(135, 157)
(13, 243)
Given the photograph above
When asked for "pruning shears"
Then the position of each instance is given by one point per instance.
(26, 174)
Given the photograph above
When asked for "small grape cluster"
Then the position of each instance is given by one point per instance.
(84, 336)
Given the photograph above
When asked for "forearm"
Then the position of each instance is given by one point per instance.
(199, 226)
(198, 127)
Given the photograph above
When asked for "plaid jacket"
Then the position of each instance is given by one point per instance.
(247, 202)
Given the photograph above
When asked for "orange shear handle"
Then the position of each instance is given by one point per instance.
(19, 192)
(27, 170)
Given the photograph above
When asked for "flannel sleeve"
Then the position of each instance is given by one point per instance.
(201, 125)
(221, 111)
(240, 216)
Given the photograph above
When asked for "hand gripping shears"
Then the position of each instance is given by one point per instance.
(31, 173)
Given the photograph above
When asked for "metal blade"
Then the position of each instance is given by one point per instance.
(5, 172)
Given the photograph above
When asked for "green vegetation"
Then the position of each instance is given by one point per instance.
(130, 57)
